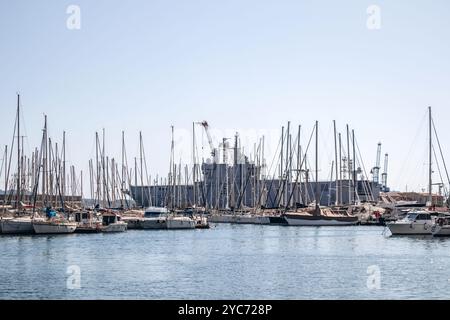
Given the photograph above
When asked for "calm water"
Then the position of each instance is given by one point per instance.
(226, 262)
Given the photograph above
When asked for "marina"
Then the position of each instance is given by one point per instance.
(224, 151)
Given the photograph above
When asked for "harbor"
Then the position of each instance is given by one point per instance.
(209, 150)
(45, 197)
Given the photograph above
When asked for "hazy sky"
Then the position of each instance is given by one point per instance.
(242, 65)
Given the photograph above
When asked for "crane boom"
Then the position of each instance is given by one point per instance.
(205, 126)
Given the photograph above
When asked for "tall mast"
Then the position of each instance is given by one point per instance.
(430, 169)
(349, 167)
(355, 187)
(64, 166)
(18, 152)
(281, 166)
(44, 175)
(340, 168)
(317, 170)
(141, 165)
(336, 163)
(299, 163)
(193, 166)
(97, 169)
(123, 165)
(6, 178)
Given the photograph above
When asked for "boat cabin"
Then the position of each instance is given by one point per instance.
(110, 218)
(418, 216)
(155, 212)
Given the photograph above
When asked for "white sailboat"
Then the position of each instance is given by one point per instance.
(54, 226)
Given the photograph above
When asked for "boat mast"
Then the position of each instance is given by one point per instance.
(6, 178)
(193, 167)
(317, 212)
(350, 200)
(141, 166)
(336, 163)
(123, 166)
(355, 187)
(18, 152)
(430, 169)
(64, 166)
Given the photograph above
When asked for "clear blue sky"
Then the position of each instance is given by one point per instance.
(241, 65)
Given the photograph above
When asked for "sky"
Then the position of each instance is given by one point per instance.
(247, 66)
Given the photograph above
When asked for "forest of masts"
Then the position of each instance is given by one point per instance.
(43, 178)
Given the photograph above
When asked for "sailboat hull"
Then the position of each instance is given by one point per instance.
(153, 223)
(16, 226)
(177, 223)
(318, 221)
(115, 227)
(54, 228)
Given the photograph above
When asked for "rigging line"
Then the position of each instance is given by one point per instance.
(364, 169)
(275, 156)
(413, 144)
(301, 165)
(439, 169)
(440, 150)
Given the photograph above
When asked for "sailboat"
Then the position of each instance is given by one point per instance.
(53, 222)
(315, 215)
(174, 221)
(421, 222)
(21, 223)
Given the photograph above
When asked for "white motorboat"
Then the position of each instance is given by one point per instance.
(180, 222)
(441, 227)
(415, 223)
(19, 225)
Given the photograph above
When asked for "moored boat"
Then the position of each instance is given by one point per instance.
(415, 223)
(441, 228)
(111, 222)
(180, 222)
(18, 225)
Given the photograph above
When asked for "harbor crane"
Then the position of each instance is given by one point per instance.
(376, 169)
(384, 174)
(205, 126)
